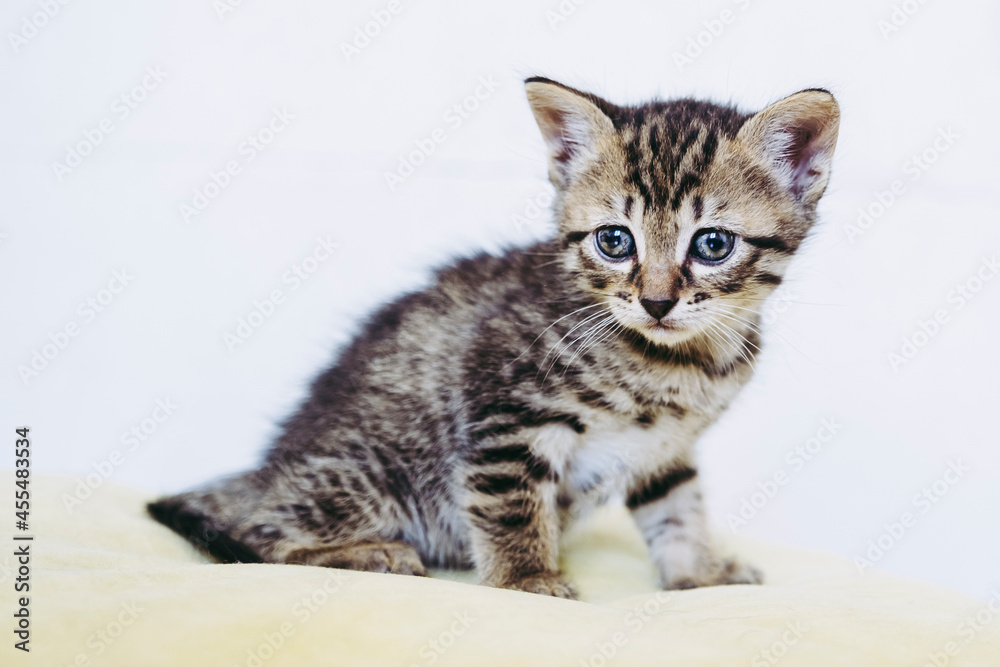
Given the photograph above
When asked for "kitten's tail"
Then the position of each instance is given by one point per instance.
(199, 517)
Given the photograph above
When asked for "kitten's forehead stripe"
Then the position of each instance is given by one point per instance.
(708, 149)
(689, 182)
(654, 140)
(669, 146)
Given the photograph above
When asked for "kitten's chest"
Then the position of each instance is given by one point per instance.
(610, 456)
(642, 428)
(605, 460)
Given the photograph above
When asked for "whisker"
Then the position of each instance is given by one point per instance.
(775, 332)
(609, 331)
(713, 337)
(741, 318)
(554, 261)
(555, 347)
(730, 305)
(587, 319)
(578, 310)
(761, 333)
(741, 321)
(801, 303)
(592, 330)
(736, 341)
(615, 329)
(593, 339)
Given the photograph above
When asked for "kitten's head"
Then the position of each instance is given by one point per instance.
(682, 215)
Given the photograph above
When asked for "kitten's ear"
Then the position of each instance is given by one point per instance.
(797, 135)
(572, 125)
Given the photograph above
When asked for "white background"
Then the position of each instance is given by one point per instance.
(849, 303)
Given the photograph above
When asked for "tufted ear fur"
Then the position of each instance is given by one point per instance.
(797, 136)
(572, 124)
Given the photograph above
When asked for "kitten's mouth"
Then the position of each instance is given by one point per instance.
(664, 333)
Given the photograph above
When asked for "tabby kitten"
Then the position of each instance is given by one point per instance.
(468, 421)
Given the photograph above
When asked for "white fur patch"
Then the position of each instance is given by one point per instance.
(600, 464)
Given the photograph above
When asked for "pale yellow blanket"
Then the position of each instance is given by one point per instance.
(111, 587)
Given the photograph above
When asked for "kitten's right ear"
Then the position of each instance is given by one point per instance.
(571, 124)
(797, 135)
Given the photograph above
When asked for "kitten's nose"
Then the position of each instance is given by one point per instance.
(657, 308)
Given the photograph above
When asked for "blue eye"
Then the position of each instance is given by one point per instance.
(615, 242)
(712, 245)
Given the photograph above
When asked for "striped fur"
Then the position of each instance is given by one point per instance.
(466, 423)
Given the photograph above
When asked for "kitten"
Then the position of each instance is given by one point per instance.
(468, 421)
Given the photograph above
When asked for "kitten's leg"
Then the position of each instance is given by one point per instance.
(249, 519)
(669, 511)
(513, 516)
(328, 529)
(394, 557)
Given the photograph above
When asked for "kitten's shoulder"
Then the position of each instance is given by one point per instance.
(526, 263)
(485, 276)
(477, 282)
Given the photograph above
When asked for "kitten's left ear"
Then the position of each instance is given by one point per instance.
(797, 136)
(572, 124)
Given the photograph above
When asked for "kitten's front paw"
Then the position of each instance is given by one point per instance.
(718, 573)
(546, 583)
(385, 557)
(738, 572)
